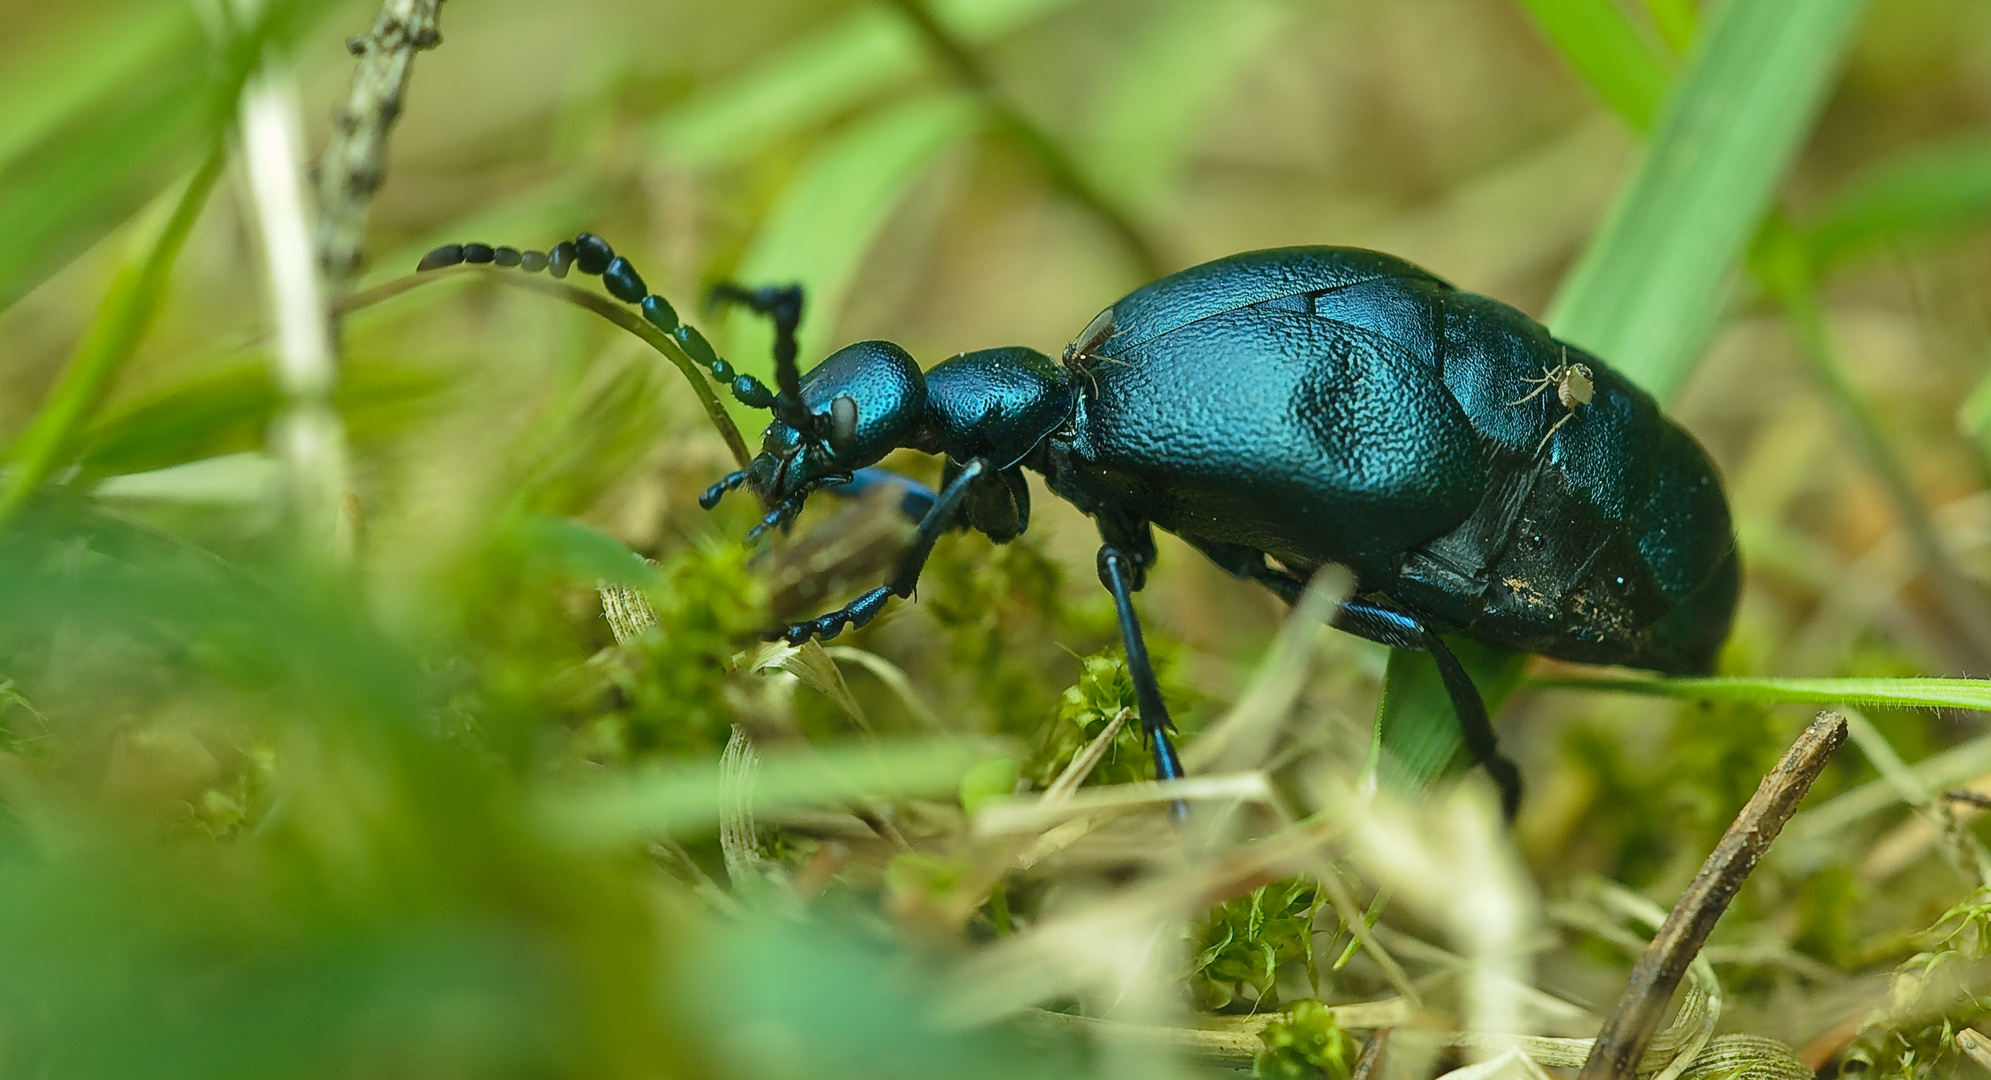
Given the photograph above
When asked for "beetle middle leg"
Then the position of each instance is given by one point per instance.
(1121, 574)
(939, 518)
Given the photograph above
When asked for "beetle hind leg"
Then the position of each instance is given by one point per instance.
(1404, 631)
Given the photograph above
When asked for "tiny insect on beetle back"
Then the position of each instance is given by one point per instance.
(1279, 410)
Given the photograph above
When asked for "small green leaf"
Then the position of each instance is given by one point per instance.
(585, 551)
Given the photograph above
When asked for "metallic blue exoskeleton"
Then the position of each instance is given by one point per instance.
(1282, 410)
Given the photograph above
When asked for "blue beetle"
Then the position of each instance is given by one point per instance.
(1279, 410)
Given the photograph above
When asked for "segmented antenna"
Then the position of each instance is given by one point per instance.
(590, 254)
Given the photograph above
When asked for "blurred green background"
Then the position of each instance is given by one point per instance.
(358, 779)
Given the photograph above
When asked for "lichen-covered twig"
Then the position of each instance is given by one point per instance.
(351, 169)
(1630, 1026)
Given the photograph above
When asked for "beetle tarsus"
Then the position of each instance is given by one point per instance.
(718, 491)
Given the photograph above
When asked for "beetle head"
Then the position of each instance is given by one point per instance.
(859, 404)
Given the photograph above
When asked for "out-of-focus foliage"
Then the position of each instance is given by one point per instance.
(403, 800)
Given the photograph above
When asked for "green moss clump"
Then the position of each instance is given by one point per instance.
(1104, 690)
(1307, 1045)
(1242, 944)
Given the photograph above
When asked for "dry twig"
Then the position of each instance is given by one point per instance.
(1371, 1060)
(1630, 1026)
(351, 169)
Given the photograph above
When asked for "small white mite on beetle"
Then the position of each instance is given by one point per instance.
(1573, 387)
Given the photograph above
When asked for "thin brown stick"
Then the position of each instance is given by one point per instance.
(1371, 1061)
(1968, 797)
(1630, 1027)
(974, 76)
(351, 169)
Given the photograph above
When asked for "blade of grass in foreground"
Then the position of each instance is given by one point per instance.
(691, 799)
(1646, 293)
(120, 323)
(1902, 693)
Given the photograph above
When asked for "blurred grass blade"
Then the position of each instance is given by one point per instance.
(822, 76)
(228, 410)
(1675, 20)
(1600, 42)
(120, 322)
(1646, 293)
(825, 221)
(1417, 741)
(246, 479)
(89, 143)
(86, 150)
(1928, 193)
(690, 800)
(1165, 86)
(1901, 693)
(52, 82)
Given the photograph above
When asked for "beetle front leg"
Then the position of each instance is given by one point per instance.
(911, 562)
(1403, 631)
(1117, 571)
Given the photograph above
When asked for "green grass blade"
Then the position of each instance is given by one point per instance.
(825, 75)
(1166, 84)
(121, 321)
(690, 799)
(1600, 42)
(1646, 293)
(1417, 741)
(1902, 693)
(50, 83)
(86, 148)
(1675, 20)
(825, 221)
(1927, 193)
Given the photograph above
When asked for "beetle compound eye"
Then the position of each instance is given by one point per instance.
(843, 423)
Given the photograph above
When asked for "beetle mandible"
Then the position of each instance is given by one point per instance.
(1278, 410)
